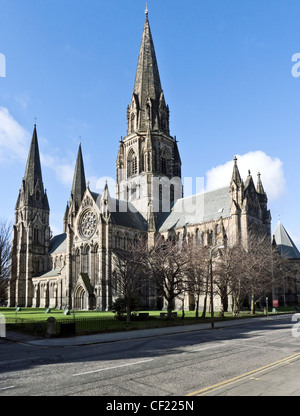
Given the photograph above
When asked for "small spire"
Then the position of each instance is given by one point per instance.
(146, 11)
(236, 177)
(259, 187)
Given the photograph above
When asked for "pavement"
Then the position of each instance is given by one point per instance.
(127, 335)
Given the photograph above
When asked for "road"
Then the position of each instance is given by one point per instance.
(260, 358)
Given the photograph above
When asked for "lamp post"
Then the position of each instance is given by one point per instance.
(212, 319)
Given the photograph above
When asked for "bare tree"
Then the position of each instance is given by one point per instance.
(5, 248)
(258, 267)
(128, 273)
(166, 266)
(197, 273)
(228, 277)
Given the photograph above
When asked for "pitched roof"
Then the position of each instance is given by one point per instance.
(284, 242)
(122, 213)
(58, 244)
(52, 273)
(196, 209)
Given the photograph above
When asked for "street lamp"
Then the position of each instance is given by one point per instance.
(212, 284)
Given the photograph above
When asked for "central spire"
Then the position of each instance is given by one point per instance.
(147, 80)
(147, 92)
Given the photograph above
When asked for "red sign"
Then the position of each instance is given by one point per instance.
(275, 303)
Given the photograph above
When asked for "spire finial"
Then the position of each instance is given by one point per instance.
(146, 11)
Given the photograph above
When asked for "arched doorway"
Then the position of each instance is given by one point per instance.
(80, 299)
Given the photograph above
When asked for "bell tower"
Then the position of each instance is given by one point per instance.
(148, 162)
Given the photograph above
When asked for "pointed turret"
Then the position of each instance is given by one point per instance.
(79, 182)
(236, 177)
(262, 196)
(285, 244)
(249, 181)
(66, 216)
(105, 201)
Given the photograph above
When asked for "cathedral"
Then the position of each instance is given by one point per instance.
(75, 269)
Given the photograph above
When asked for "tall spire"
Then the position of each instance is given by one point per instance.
(147, 87)
(147, 81)
(32, 191)
(79, 182)
(33, 172)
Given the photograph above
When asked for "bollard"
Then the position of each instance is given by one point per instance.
(51, 327)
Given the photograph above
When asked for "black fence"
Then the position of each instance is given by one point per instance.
(81, 326)
(68, 327)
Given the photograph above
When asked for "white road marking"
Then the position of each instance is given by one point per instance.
(206, 348)
(6, 388)
(112, 368)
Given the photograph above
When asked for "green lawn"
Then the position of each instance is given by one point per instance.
(33, 320)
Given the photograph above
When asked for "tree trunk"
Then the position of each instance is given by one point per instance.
(128, 313)
(204, 306)
(170, 308)
(252, 312)
(197, 306)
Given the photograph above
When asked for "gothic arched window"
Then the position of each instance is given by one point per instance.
(172, 197)
(131, 163)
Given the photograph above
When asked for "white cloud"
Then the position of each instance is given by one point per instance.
(271, 169)
(14, 138)
(64, 171)
(14, 144)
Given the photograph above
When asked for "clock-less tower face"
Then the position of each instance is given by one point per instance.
(88, 224)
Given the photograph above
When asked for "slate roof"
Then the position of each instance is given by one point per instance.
(58, 244)
(52, 273)
(208, 206)
(131, 218)
(284, 242)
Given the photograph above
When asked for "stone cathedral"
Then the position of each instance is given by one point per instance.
(74, 269)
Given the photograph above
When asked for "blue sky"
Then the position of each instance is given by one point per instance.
(226, 71)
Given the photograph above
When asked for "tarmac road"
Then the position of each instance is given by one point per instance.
(250, 357)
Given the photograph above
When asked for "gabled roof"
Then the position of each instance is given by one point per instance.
(284, 242)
